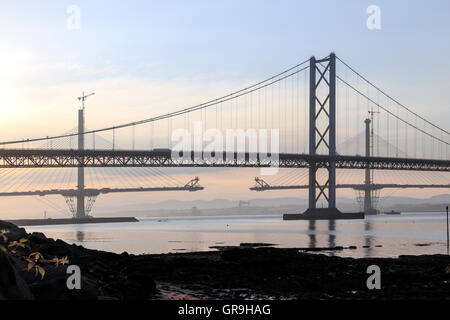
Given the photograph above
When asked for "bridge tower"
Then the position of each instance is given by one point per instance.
(80, 213)
(322, 133)
(368, 209)
(80, 210)
(369, 189)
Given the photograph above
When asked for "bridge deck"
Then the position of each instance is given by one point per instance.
(96, 192)
(376, 186)
(45, 158)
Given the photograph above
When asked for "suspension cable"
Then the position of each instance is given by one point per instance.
(260, 85)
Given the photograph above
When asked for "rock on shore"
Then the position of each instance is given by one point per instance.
(104, 275)
(234, 273)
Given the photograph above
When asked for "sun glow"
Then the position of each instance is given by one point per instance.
(6, 101)
(13, 67)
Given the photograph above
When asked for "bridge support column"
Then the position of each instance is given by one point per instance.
(368, 185)
(80, 213)
(367, 191)
(322, 134)
(312, 132)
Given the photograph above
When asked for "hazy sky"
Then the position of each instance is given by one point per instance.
(143, 58)
(190, 51)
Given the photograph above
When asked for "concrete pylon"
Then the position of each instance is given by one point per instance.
(368, 204)
(367, 182)
(80, 213)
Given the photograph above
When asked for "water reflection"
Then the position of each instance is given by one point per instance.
(331, 231)
(331, 235)
(368, 238)
(312, 233)
(80, 236)
(313, 237)
(397, 235)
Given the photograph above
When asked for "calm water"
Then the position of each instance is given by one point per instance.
(386, 236)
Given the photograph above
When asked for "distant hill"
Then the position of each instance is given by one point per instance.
(267, 206)
(213, 204)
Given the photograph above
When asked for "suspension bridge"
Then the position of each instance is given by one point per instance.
(317, 109)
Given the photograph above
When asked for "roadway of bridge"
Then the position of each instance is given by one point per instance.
(95, 192)
(48, 158)
(376, 186)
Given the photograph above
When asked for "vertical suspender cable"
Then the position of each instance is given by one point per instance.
(305, 115)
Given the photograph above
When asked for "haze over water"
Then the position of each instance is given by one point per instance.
(376, 236)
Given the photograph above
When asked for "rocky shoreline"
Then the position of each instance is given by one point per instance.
(231, 273)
